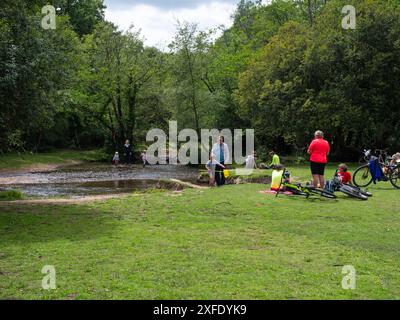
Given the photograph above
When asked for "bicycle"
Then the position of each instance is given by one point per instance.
(352, 191)
(365, 156)
(298, 189)
(363, 178)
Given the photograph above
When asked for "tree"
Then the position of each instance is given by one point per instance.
(84, 15)
(327, 78)
(192, 87)
(119, 83)
(37, 67)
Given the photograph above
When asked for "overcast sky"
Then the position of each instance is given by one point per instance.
(157, 18)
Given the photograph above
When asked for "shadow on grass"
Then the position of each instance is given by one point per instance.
(41, 223)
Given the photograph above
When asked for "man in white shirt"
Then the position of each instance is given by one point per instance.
(221, 152)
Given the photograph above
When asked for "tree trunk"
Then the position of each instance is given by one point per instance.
(132, 98)
(310, 12)
(193, 95)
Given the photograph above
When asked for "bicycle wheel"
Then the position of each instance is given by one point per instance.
(395, 177)
(324, 193)
(362, 177)
(351, 192)
(358, 190)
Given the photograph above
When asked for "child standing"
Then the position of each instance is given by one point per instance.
(116, 159)
(144, 158)
(211, 167)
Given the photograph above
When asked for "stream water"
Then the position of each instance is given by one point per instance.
(94, 179)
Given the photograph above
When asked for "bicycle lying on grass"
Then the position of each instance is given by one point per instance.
(298, 189)
(352, 191)
(391, 172)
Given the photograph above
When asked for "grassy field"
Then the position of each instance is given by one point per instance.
(227, 243)
(24, 160)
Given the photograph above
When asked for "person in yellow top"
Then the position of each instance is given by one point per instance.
(277, 176)
(275, 160)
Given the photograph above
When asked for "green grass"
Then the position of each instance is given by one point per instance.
(10, 195)
(18, 161)
(227, 243)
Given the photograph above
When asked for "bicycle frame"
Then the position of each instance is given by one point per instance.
(304, 191)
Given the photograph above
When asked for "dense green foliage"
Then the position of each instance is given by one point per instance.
(344, 81)
(284, 69)
(28, 161)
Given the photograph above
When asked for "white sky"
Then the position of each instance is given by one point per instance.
(157, 18)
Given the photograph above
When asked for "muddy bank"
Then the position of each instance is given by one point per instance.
(204, 179)
(91, 179)
(96, 179)
(39, 168)
(173, 188)
(94, 172)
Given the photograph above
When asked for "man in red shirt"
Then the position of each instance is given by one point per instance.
(319, 150)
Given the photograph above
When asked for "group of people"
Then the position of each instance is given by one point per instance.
(128, 155)
(219, 156)
(216, 164)
(318, 151)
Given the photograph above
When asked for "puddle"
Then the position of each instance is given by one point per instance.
(95, 179)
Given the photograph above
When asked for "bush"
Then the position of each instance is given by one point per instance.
(10, 195)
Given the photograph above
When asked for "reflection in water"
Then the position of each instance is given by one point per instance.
(94, 179)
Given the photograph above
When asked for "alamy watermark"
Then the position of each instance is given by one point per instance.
(50, 17)
(350, 20)
(186, 147)
(49, 280)
(349, 281)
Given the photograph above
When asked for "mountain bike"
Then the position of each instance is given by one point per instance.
(336, 184)
(391, 172)
(298, 189)
(365, 157)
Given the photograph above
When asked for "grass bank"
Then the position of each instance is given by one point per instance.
(16, 161)
(10, 195)
(227, 243)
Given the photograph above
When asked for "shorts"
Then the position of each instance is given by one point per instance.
(318, 168)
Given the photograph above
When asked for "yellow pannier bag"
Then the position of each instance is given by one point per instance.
(226, 173)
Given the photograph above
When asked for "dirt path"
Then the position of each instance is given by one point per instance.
(188, 184)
